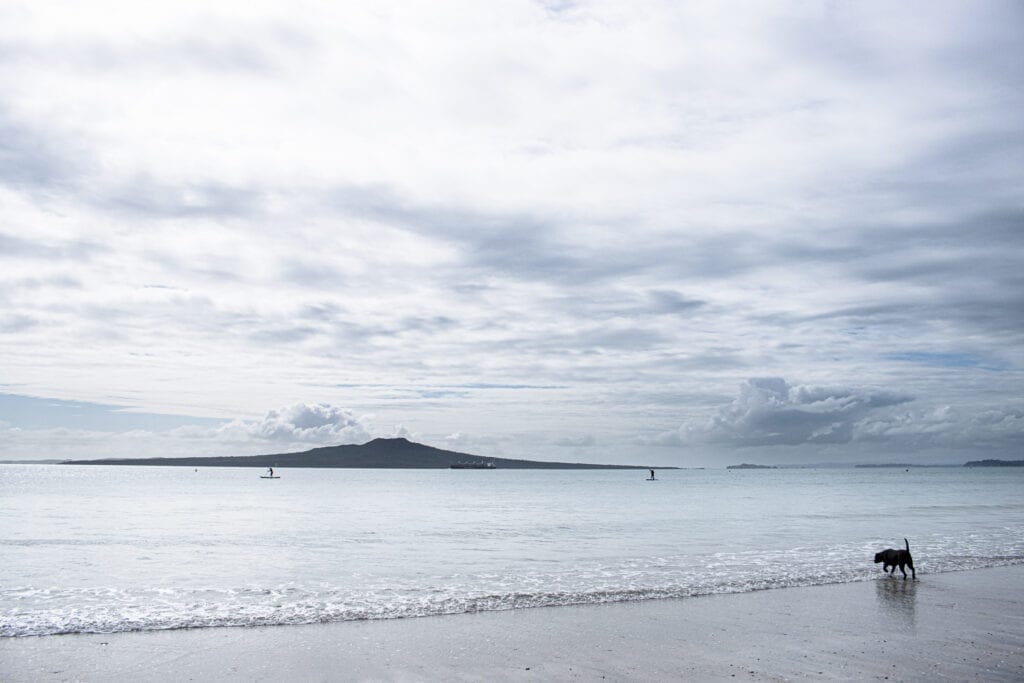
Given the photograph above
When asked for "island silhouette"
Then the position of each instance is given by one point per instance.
(382, 453)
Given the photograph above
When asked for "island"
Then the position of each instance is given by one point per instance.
(391, 453)
(748, 466)
(994, 463)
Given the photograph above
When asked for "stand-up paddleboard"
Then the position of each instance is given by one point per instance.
(263, 476)
(651, 479)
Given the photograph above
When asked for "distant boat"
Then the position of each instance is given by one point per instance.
(481, 465)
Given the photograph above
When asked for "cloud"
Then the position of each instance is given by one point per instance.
(164, 41)
(31, 158)
(463, 442)
(859, 421)
(10, 324)
(401, 432)
(21, 248)
(318, 423)
(143, 197)
(771, 412)
(582, 441)
(52, 428)
(397, 209)
(1000, 430)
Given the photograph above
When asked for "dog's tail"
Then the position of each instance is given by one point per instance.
(908, 544)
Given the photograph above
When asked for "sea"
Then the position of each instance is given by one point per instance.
(103, 549)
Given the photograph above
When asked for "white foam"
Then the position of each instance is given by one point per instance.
(50, 611)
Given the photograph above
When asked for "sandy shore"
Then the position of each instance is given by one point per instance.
(957, 626)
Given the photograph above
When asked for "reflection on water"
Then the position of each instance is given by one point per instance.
(896, 600)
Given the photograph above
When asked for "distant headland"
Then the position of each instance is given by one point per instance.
(994, 463)
(748, 466)
(379, 453)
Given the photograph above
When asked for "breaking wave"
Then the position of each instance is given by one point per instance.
(53, 611)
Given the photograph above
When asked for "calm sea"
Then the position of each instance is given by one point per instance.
(103, 549)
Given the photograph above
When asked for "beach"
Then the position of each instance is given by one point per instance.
(954, 626)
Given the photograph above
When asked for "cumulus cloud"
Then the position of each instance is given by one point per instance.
(771, 412)
(402, 432)
(946, 426)
(303, 423)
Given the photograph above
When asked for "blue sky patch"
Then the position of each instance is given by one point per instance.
(31, 412)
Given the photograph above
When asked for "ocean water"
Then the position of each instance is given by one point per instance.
(105, 549)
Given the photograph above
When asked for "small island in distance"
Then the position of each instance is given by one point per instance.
(378, 453)
(881, 465)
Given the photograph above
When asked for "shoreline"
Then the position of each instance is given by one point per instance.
(957, 625)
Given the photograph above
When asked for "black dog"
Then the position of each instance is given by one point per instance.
(891, 557)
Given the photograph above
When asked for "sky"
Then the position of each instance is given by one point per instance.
(663, 233)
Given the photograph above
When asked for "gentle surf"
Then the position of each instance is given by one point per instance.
(105, 549)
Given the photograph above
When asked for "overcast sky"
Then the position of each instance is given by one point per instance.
(592, 231)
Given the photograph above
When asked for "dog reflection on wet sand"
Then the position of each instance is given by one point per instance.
(896, 602)
(893, 557)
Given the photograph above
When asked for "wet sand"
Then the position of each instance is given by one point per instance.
(957, 626)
